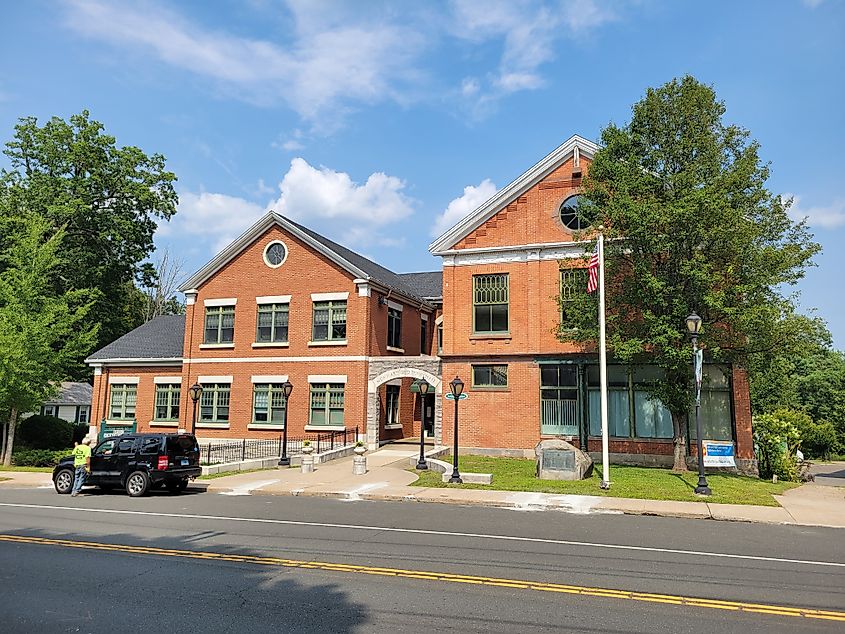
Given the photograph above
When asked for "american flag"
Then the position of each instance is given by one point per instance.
(593, 273)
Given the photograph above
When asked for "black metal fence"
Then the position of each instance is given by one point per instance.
(249, 449)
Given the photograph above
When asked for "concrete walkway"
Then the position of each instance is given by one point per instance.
(387, 479)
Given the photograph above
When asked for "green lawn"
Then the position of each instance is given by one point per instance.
(516, 474)
(29, 469)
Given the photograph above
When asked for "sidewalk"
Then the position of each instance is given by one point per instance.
(387, 479)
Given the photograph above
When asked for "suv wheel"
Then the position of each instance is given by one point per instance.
(137, 484)
(63, 481)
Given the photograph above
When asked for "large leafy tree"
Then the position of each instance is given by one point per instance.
(42, 334)
(690, 227)
(107, 198)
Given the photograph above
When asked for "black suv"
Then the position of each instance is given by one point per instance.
(137, 462)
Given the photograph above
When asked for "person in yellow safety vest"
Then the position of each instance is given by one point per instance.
(81, 464)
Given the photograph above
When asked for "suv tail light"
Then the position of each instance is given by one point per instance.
(162, 463)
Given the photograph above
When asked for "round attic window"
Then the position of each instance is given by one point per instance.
(570, 216)
(275, 254)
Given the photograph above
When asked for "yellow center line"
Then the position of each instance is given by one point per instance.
(756, 608)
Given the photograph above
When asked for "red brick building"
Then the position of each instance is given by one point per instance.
(284, 303)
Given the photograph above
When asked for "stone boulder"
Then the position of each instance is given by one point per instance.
(559, 460)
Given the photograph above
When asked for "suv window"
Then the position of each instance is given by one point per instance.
(182, 444)
(126, 446)
(106, 448)
(151, 445)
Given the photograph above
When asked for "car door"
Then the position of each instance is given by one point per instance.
(102, 461)
(124, 459)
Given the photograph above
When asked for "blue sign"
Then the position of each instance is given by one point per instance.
(451, 396)
(718, 454)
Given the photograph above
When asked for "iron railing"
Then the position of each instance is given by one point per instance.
(249, 449)
(559, 417)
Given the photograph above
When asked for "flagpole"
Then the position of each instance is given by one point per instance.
(605, 466)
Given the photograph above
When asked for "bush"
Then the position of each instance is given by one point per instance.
(39, 457)
(80, 430)
(818, 440)
(777, 438)
(46, 432)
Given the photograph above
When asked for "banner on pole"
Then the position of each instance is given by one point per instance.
(718, 454)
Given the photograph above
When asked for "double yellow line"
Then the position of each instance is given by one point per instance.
(736, 606)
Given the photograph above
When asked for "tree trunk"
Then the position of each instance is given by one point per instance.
(679, 442)
(3, 439)
(10, 437)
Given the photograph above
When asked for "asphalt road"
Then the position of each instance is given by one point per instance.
(217, 563)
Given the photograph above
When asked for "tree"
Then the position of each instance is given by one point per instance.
(160, 292)
(42, 335)
(690, 227)
(108, 199)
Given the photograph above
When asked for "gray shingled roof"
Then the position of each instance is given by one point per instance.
(428, 284)
(159, 338)
(72, 394)
(377, 272)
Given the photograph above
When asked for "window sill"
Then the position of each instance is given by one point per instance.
(271, 344)
(392, 349)
(329, 342)
(201, 425)
(213, 346)
(324, 428)
(265, 427)
(490, 335)
(394, 426)
(164, 423)
(119, 423)
(489, 388)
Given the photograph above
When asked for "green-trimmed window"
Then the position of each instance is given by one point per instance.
(326, 404)
(394, 328)
(268, 403)
(219, 324)
(272, 323)
(391, 405)
(167, 401)
(489, 376)
(330, 321)
(122, 401)
(214, 403)
(571, 282)
(490, 303)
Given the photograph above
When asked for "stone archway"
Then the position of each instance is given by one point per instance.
(387, 369)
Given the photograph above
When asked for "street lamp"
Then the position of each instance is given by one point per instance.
(694, 328)
(195, 391)
(457, 387)
(284, 460)
(423, 386)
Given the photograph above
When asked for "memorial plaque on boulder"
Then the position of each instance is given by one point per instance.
(559, 460)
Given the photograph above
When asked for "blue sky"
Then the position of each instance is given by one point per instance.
(379, 123)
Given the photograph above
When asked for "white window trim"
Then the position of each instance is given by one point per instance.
(201, 425)
(124, 380)
(325, 428)
(219, 346)
(214, 379)
(329, 342)
(267, 248)
(159, 423)
(265, 426)
(167, 380)
(327, 378)
(273, 299)
(328, 297)
(392, 349)
(393, 426)
(271, 344)
(226, 301)
(269, 378)
(394, 305)
(395, 382)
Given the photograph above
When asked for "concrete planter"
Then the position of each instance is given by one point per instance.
(359, 464)
(307, 464)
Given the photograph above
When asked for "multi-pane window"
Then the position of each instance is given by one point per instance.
(391, 405)
(394, 328)
(489, 376)
(82, 414)
(326, 404)
(167, 402)
(490, 303)
(440, 338)
(716, 413)
(571, 282)
(330, 321)
(559, 399)
(268, 403)
(219, 324)
(272, 323)
(214, 403)
(122, 403)
(423, 336)
(631, 411)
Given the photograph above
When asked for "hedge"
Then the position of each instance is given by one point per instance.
(46, 432)
(39, 457)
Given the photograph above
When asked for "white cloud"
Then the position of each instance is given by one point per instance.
(829, 217)
(812, 3)
(327, 63)
(472, 198)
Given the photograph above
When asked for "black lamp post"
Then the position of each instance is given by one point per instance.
(422, 465)
(457, 387)
(694, 328)
(284, 460)
(195, 392)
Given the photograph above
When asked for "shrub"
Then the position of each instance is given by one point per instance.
(776, 438)
(38, 457)
(818, 439)
(46, 432)
(80, 430)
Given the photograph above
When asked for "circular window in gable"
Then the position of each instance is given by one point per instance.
(570, 216)
(275, 254)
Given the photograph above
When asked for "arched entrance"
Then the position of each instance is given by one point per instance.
(389, 370)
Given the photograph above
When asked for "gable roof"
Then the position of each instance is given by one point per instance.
(72, 394)
(513, 190)
(159, 338)
(354, 263)
(428, 284)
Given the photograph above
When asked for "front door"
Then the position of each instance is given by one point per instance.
(102, 460)
(428, 415)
